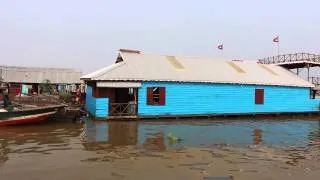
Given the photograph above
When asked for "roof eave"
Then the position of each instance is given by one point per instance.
(86, 79)
(220, 82)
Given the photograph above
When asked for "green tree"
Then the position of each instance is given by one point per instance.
(46, 87)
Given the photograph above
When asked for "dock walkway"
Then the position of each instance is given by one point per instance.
(293, 61)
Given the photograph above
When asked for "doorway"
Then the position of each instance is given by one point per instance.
(125, 102)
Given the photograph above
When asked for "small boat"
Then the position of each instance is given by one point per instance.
(28, 115)
(10, 115)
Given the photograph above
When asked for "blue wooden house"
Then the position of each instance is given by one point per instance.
(142, 85)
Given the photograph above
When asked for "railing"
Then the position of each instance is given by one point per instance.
(122, 109)
(291, 58)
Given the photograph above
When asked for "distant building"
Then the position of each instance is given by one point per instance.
(147, 85)
(24, 79)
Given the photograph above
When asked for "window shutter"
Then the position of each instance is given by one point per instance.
(259, 96)
(149, 96)
(162, 96)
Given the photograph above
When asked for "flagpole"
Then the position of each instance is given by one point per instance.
(276, 40)
(221, 48)
(221, 54)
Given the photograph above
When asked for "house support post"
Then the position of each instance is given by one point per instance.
(308, 67)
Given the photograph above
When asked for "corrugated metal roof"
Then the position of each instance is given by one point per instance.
(150, 67)
(39, 75)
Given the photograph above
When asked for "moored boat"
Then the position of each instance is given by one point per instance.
(10, 115)
(28, 115)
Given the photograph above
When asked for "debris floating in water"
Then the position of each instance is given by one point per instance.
(172, 138)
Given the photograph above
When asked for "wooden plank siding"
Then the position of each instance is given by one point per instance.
(90, 101)
(205, 98)
(162, 96)
(97, 107)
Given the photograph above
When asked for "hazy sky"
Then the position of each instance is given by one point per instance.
(86, 34)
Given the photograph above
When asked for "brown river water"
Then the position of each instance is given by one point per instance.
(200, 149)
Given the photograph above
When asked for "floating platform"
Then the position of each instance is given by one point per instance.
(209, 116)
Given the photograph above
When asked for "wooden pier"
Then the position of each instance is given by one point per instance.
(293, 61)
(296, 61)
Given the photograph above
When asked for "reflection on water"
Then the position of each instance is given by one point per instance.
(3, 151)
(314, 136)
(295, 155)
(243, 133)
(41, 138)
(155, 142)
(111, 133)
(122, 133)
(97, 136)
(257, 136)
(145, 150)
(295, 136)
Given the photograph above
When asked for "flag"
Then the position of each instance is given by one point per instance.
(276, 39)
(220, 47)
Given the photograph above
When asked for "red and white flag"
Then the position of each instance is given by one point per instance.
(220, 47)
(276, 39)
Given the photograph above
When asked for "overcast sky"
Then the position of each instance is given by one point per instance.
(86, 34)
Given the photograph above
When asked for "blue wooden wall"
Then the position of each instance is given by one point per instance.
(102, 107)
(97, 107)
(90, 101)
(202, 98)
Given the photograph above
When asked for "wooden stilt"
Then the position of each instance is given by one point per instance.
(308, 67)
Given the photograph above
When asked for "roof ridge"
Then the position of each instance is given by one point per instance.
(138, 52)
(165, 55)
(37, 67)
(112, 67)
(189, 57)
